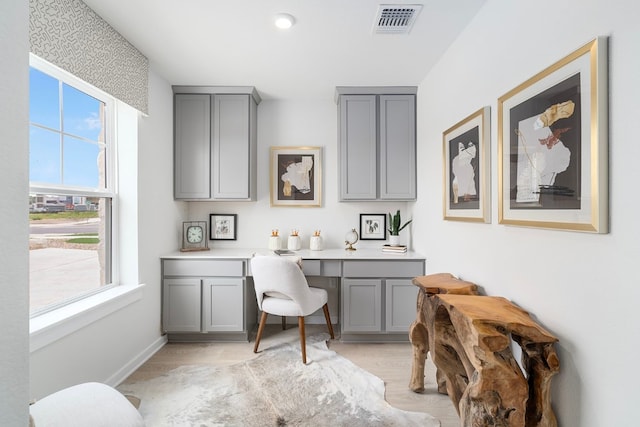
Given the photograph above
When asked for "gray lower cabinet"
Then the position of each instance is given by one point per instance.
(362, 305)
(181, 305)
(378, 298)
(207, 300)
(215, 144)
(377, 144)
(222, 304)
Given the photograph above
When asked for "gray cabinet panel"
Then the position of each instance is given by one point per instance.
(222, 305)
(397, 147)
(231, 153)
(181, 305)
(215, 145)
(358, 147)
(377, 145)
(400, 304)
(362, 305)
(192, 135)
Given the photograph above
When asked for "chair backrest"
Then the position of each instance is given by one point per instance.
(281, 277)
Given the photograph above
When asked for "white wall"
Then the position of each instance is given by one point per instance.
(296, 123)
(14, 222)
(582, 287)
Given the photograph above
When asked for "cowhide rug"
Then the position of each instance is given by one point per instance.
(273, 389)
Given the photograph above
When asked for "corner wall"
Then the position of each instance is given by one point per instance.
(582, 287)
(14, 221)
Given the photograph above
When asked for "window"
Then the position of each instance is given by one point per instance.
(72, 188)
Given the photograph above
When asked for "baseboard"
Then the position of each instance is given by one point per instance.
(136, 362)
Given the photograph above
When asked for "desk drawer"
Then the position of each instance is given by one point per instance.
(203, 267)
(316, 267)
(383, 268)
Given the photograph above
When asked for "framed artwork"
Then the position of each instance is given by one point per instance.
(296, 176)
(373, 226)
(466, 169)
(223, 226)
(552, 145)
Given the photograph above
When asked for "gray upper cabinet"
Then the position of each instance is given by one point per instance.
(215, 143)
(377, 143)
(192, 148)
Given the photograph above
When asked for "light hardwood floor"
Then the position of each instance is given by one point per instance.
(390, 362)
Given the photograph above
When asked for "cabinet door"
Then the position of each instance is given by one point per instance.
(232, 152)
(361, 305)
(397, 147)
(181, 305)
(192, 115)
(222, 305)
(358, 147)
(400, 304)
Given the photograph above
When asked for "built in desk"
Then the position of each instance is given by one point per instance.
(209, 295)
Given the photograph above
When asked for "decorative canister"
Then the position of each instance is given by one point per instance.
(316, 244)
(294, 244)
(274, 240)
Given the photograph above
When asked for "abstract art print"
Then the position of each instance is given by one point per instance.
(296, 176)
(467, 169)
(552, 145)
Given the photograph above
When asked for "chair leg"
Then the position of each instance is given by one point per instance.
(284, 323)
(327, 317)
(303, 343)
(263, 320)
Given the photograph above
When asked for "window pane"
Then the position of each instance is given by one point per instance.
(67, 248)
(44, 101)
(81, 163)
(82, 114)
(44, 156)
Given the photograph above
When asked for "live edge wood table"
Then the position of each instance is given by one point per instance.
(470, 337)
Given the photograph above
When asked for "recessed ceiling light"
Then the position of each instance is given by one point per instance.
(284, 21)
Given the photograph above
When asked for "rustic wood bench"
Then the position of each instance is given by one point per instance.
(470, 339)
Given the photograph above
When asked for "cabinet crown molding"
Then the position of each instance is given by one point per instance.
(374, 90)
(220, 90)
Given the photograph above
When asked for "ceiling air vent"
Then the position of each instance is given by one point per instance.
(395, 18)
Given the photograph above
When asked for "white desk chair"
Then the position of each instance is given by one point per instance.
(282, 290)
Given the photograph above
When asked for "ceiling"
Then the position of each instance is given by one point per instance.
(235, 43)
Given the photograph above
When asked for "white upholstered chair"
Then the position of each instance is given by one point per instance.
(282, 290)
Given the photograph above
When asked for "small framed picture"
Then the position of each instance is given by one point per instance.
(373, 226)
(223, 226)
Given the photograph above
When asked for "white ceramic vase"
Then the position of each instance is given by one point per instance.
(315, 244)
(293, 244)
(274, 243)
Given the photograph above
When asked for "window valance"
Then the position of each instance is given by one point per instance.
(72, 36)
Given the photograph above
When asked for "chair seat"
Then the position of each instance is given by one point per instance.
(288, 307)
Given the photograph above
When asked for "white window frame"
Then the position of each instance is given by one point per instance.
(111, 182)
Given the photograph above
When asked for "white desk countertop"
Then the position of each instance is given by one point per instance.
(327, 254)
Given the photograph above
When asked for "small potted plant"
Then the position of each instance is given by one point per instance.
(395, 228)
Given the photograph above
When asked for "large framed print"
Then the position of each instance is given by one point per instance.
(296, 176)
(466, 169)
(552, 145)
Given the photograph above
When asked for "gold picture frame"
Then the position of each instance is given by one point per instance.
(553, 148)
(296, 176)
(466, 169)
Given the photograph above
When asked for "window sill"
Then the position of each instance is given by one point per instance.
(52, 326)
